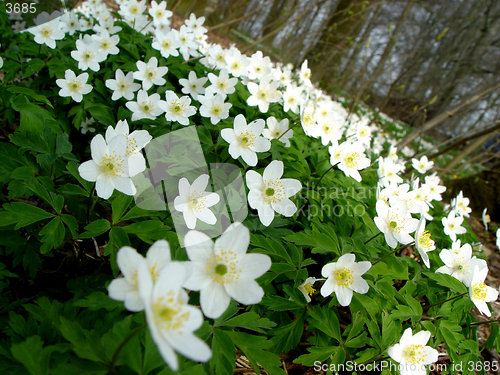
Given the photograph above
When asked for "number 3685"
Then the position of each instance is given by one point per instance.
(21, 8)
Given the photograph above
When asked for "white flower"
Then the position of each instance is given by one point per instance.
(170, 319)
(479, 292)
(123, 85)
(194, 24)
(145, 106)
(47, 33)
(84, 126)
(412, 354)
(87, 54)
(135, 141)
(307, 288)
(423, 242)
(193, 201)
(222, 84)
(452, 225)
(223, 270)
(237, 63)
(305, 74)
(213, 106)
(395, 222)
(259, 66)
(74, 86)
(177, 109)
(110, 168)
(188, 44)
(128, 259)
(353, 159)
(193, 86)
(278, 130)
(330, 127)
(461, 205)
(269, 193)
(107, 22)
(107, 44)
(167, 43)
(263, 94)
(150, 74)
(70, 23)
(486, 219)
(435, 190)
(159, 12)
(344, 277)
(498, 238)
(292, 98)
(245, 140)
(460, 264)
(422, 165)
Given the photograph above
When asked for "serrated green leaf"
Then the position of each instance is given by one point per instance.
(22, 214)
(85, 344)
(250, 320)
(316, 354)
(325, 320)
(53, 235)
(34, 356)
(97, 301)
(224, 353)
(119, 206)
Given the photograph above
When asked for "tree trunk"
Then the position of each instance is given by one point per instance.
(444, 116)
(467, 151)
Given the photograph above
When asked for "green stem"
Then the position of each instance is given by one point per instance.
(375, 236)
(111, 369)
(290, 128)
(485, 322)
(427, 307)
(392, 252)
(90, 207)
(322, 177)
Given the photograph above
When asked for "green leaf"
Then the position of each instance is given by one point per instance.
(119, 205)
(34, 356)
(287, 338)
(73, 170)
(97, 301)
(148, 231)
(71, 223)
(22, 214)
(101, 113)
(254, 349)
(34, 66)
(325, 320)
(277, 303)
(34, 117)
(447, 281)
(29, 92)
(72, 189)
(96, 228)
(85, 344)
(131, 353)
(271, 247)
(53, 235)
(316, 353)
(224, 353)
(324, 242)
(137, 212)
(250, 320)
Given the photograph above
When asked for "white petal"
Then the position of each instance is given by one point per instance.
(284, 207)
(119, 288)
(98, 148)
(245, 291)
(200, 184)
(206, 216)
(104, 186)
(235, 239)
(273, 171)
(214, 300)
(344, 296)
(254, 265)
(125, 185)
(190, 346)
(89, 171)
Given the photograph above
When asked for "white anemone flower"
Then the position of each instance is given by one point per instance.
(264, 93)
(177, 109)
(486, 219)
(452, 225)
(88, 54)
(423, 242)
(423, 165)
(307, 289)
(110, 168)
(353, 159)
(145, 106)
(278, 130)
(498, 238)
(193, 201)
(222, 84)
(460, 264)
(246, 140)
(193, 86)
(343, 277)
(412, 354)
(126, 288)
(223, 270)
(150, 74)
(395, 222)
(269, 193)
(213, 106)
(171, 320)
(47, 33)
(135, 141)
(480, 293)
(461, 204)
(123, 85)
(74, 86)
(167, 43)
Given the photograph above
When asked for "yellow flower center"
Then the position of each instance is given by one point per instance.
(309, 288)
(150, 73)
(111, 165)
(479, 291)
(414, 354)
(351, 159)
(273, 191)
(222, 267)
(343, 277)
(75, 85)
(177, 107)
(46, 31)
(168, 312)
(425, 241)
(216, 109)
(247, 139)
